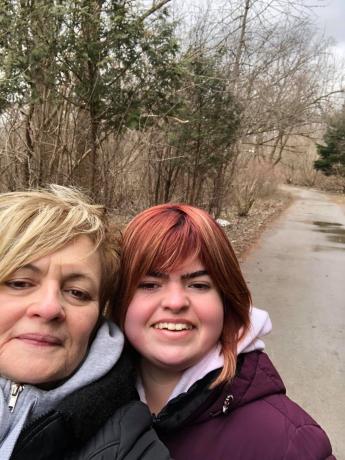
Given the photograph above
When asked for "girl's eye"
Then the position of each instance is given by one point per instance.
(200, 286)
(18, 284)
(77, 294)
(148, 285)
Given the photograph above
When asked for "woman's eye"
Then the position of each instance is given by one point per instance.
(77, 294)
(19, 284)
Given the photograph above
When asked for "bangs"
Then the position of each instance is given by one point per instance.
(171, 248)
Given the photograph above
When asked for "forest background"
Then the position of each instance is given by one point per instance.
(140, 103)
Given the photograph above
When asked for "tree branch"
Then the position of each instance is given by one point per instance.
(155, 7)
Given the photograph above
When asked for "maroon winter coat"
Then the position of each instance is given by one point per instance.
(249, 418)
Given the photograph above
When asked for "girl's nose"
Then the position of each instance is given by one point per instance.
(175, 298)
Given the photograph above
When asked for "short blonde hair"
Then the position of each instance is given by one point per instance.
(35, 223)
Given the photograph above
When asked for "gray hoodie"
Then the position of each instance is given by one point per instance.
(32, 402)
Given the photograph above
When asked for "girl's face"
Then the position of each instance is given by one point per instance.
(175, 318)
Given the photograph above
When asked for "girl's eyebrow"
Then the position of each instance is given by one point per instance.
(186, 276)
(196, 274)
(156, 274)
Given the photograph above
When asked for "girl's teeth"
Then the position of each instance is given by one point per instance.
(173, 326)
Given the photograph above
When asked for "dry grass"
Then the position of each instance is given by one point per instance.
(245, 231)
(338, 199)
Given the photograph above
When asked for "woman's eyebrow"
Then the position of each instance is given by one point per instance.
(82, 276)
(79, 275)
(30, 267)
(73, 276)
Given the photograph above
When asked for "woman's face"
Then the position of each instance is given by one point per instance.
(49, 309)
(175, 318)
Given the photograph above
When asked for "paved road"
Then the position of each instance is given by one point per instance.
(297, 273)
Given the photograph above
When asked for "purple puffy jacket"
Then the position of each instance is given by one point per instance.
(249, 418)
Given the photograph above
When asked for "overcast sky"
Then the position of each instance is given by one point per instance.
(331, 19)
(329, 16)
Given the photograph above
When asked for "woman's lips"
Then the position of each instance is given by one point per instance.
(41, 340)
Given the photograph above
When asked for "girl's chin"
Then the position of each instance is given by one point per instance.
(172, 366)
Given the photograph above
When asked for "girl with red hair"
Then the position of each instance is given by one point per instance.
(187, 313)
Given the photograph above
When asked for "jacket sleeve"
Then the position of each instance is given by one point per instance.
(127, 435)
(309, 442)
(138, 440)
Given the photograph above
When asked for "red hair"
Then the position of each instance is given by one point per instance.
(161, 238)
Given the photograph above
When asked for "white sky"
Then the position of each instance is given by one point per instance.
(331, 20)
(329, 16)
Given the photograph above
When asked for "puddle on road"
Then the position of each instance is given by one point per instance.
(334, 233)
(326, 224)
(319, 248)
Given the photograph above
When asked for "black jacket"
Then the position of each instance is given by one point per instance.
(101, 421)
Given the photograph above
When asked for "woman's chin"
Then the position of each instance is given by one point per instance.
(41, 374)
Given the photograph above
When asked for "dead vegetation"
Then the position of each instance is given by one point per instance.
(213, 116)
(244, 232)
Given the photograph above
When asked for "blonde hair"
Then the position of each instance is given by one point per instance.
(35, 223)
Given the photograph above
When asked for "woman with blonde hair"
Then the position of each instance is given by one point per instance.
(66, 388)
(186, 310)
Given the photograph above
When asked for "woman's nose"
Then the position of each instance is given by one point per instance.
(175, 298)
(47, 304)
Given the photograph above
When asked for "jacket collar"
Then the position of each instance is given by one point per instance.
(255, 378)
(84, 411)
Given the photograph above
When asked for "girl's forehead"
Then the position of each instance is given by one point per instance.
(184, 266)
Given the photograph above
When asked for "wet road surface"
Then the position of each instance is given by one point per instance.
(297, 274)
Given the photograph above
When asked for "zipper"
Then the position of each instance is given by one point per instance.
(16, 389)
(226, 405)
(225, 408)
